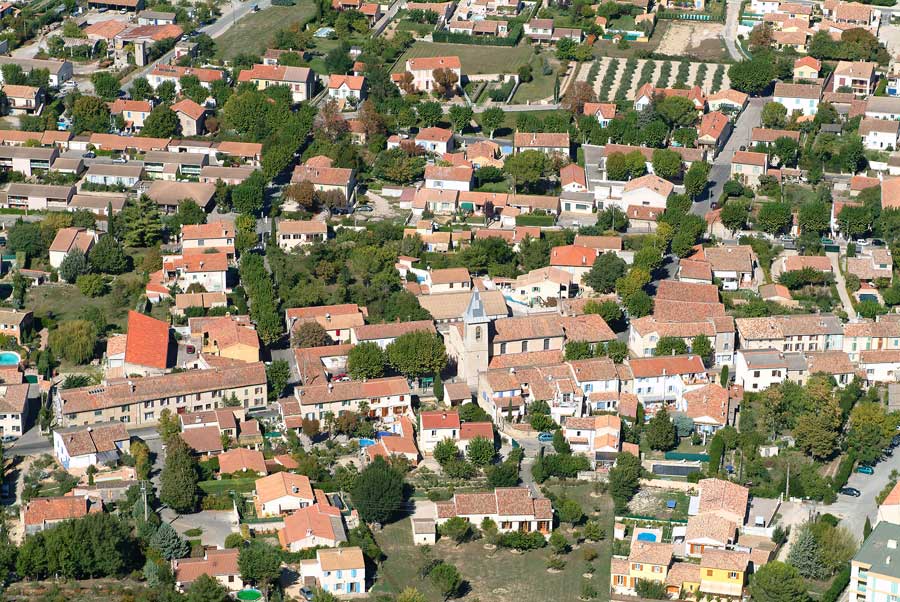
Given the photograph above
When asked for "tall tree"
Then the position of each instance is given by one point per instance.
(660, 431)
(108, 257)
(143, 223)
(777, 582)
(178, 482)
(378, 492)
(492, 118)
(162, 122)
(260, 564)
(417, 354)
(366, 360)
(168, 543)
(804, 554)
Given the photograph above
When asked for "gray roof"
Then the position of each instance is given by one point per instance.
(582, 197)
(475, 312)
(764, 358)
(883, 104)
(54, 67)
(155, 14)
(130, 170)
(879, 551)
(39, 190)
(176, 158)
(27, 152)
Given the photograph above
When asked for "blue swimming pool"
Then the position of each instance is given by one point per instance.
(9, 358)
(645, 536)
(366, 442)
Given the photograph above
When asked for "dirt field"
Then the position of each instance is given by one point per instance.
(702, 40)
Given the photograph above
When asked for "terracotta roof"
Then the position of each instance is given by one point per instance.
(471, 430)
(713, 124)
(67, 239)
(882, 356)
(135, 106)
(280, 73)
(216, 563)
(505, 501)
(531, 358)
(650, 367)
(205, 300)
(431, 63)
(439, 419)
(572, 174)
(738, 258)
(829, 362)
(798, 262)
(204, 439)
(354, 82)
(541, 140)
(893, 498)
(653, 182)
(453, 174)
(308, 522)
(750, 158)
(708, 401)
(148, 341)
(680, 573)
(353, 390)
(327, 176)
(806, 91)
(97, 438)
(604, 243)
(646, 552)
(607, 110)
(240, 458)
(189, 108)
(771, 135)
(771, 291)
(734, 96)
(720, 496)
(197, 262)
(105, 29)
(695, 270)
(336, 559)
(50, 509)
(710, 526)
(687, 291)
(283, 484)
(240, 149)
(727, 560)
(434, 134)
(573, 256)
(392, 330)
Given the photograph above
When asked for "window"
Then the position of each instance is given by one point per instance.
(756, 373)
(524, 346)
(546, 344)
(732, 575)
(502, 348)
(709, 572)
(638, 567)
(478, 333)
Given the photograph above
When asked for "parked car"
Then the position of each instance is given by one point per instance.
(851, 491)
(865, 470)
(545, 437)
(306, 593)
(191, 349)
(9, 438)
(365, 208)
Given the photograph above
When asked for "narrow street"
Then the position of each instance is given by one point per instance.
(841, 284)
(729, 36)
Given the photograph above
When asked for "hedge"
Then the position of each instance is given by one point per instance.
(446, 37)
(841, 581)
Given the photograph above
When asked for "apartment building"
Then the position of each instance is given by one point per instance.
(386, 398)
(139, 401)
(663, 381)
(874, 570)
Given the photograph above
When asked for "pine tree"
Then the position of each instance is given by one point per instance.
(168, 543)
(867, 528)
(804, 555)
(142, 222)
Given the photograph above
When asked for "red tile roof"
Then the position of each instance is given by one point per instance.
(148, 341)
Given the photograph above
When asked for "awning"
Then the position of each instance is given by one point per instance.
(467, 206)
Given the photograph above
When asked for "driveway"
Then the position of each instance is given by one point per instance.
(721, 167)
(841, 284)
(729, 36)
(216, 525)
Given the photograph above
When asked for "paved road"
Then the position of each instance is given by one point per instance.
(841, 284)
(854, 510)
(732, 12)
(721, 167)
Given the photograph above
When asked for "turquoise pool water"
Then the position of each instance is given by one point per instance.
(645, 536)
(366, 442)
(9, 358)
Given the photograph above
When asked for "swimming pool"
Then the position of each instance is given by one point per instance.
(9, 358)
(646, 536)
(366, 442)
(249, 594)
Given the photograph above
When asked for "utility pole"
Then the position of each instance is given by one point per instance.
(787, 484)
(144, 496)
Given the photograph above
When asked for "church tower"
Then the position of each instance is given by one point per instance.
(476, 340)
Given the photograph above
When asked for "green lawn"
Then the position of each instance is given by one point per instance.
(226, 485)
(498, 575)
(63, 302)
(255, 32)
(475, 59)
(417, 29)
(541, 86)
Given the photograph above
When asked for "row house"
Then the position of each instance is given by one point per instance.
(28, 161)
(822, 332)
(385, 334)
(37, 197)
(386, 398)
(881, 334)
(437, 425)
(512, 509)
(319, 364)
(78, 447)
(138, 401)
(324, 177)
(803, 98)
(448, 178)
(662, 381)
(116, 175)
(232, 176)
(857, 77)
(759, 369)
(882, 366)
(294, 234)
(547, 142)
(170, 166)
(209, 270)
(644, 333)
(338, 321)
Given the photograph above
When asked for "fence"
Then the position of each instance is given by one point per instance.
(515, 33)
(672, 15)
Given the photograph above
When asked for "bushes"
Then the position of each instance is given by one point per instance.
(840, 582)
(502, 93)
(646, 73)
(684, 68)
(664, 74)
(796, 279)
(701, 75)
(625, 81)
(608, 79)
(718, 76)
(593, 72)
(522, 541)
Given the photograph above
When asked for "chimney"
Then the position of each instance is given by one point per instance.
(330, 387)
(131, 385)
(892, 544)
(295, 489)
(201, 265)
(309, 532)
(328, 317)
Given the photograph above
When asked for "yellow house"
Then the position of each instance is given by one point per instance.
(723, 572)
(807, 68)
(647, 561)
(683, 580)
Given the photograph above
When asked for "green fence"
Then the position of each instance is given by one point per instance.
(685, 456)
(680, 16)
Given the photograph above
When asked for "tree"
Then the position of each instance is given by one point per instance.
(696, 178)
(480, 451)
(457, 528)
(108, 257)
(168, 543)
(162, 122)
(445, 451)
(143, 223)
(505, 474)
(526, 168)
(90, 114)
(397, 166)
(278, 374)
(651, 590)
(639, 304)
(491, 119)
(815, 217)
(260, 563)
(74, 341)
(785, 152)
(854, 220)
(774, 115)
(607, 269)
(702, 346)
(677, 111)
(446, 579)
(667, 163)
(734, 215)
(777, 582)
(445, 81)
(430, 113)
(804, 554)
(206, 589)
(366, 360)
(761, 38)
(774, 217)
(178, 481)
(752, 76)
(579, 94)
(624, 479)
(660, 431)
(460, 116)
(417, 354)
(569, 511)
(26, 237)
(73, 265)
(106, 86)
(838, 545)
(310, 334)
(411, 594)
(870, 430)
(168, 426)
(141, 89)
(671, 346)
(377, 492)
(338, 59)
(684, 425)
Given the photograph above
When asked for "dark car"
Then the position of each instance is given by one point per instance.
(851, 491)
(365, 208)
(306, 593)
(341, 210)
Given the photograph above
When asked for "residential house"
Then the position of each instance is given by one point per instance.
(807, 68)
(858, 77)
(106, 174)
(281, 493)
(200, 238)
(423, 68)
(663, 381)
(294, 234)
(242, 460)
(387, 399)
(221, 565)
(134, 112)
(714, 130)
(37, 197)
(336, 570)
(401, 444)
(872, 572)
(15, 323)
(146, 349)
(350, 88)
(853, 14)
(448, 178)
(232, 176)
(511, 508)
(435, 140)
(14, 406)
(174, 73)
(448, 280)
(709, 407)
(337, 320)
(733, 265)
(872, 264)
(572, 179)
(319, 525)
(325, 178)
(79, 447)
(804, 98)
(45, 512)
(879, 134)
(300, 80)
(540, 285)
(191, 117)
(748, 166)
(720, 511)
(882, 366)
(205, 301)
(248, 152)
(598, 437)
(548, 143)
(169, 195)
(232, 336)
(647, 94)
(647, 561)
(23, 100)
(209, 270)
(60, 71)
(573, 259)
(438, 201)
(384, 334)
(728, 101)
(69, 239)
(605, 112)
